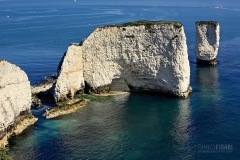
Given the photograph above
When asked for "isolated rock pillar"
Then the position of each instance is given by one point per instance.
(207, 41)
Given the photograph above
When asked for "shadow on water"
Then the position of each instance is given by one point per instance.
(207, 92)
(206, 112)
(151, 128)
(164, 120)
(208, 74)
(130, 126)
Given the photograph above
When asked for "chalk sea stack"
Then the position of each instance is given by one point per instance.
(207, 42)
(147, 55)
(15, 101)
(70, 74)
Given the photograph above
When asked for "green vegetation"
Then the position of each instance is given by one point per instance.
(207, 22)
(3, 154)
(149, 23)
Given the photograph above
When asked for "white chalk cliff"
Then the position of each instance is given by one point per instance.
(207, 41)
(149, 56)
(70, 74)
(15, 94)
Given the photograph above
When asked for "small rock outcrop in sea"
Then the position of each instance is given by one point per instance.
(15, 101)
(70, 74)
(66, 107)
(42, 93)
(147, 55)
(207, 41)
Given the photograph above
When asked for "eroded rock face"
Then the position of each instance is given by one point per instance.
(70, 74)
(207, 41)
(148, 57)
(15, 94)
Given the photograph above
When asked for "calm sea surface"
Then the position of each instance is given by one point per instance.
(133, 126)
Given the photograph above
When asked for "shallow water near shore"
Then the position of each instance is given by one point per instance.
(129, 126)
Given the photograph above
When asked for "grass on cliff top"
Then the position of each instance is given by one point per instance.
(207, 22)
(149, 23)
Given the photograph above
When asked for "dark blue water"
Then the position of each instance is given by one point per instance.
(134, 126)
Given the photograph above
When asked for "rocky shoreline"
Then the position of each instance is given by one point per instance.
(111, 93)
(22, 123)
(207, 62)
(63, 108)
(41, 93)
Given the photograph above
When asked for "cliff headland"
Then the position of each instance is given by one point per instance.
(15, 101)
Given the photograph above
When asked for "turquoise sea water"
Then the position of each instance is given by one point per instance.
(133, 126)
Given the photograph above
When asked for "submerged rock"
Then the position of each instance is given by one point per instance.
(15, 98)
(207, 41)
